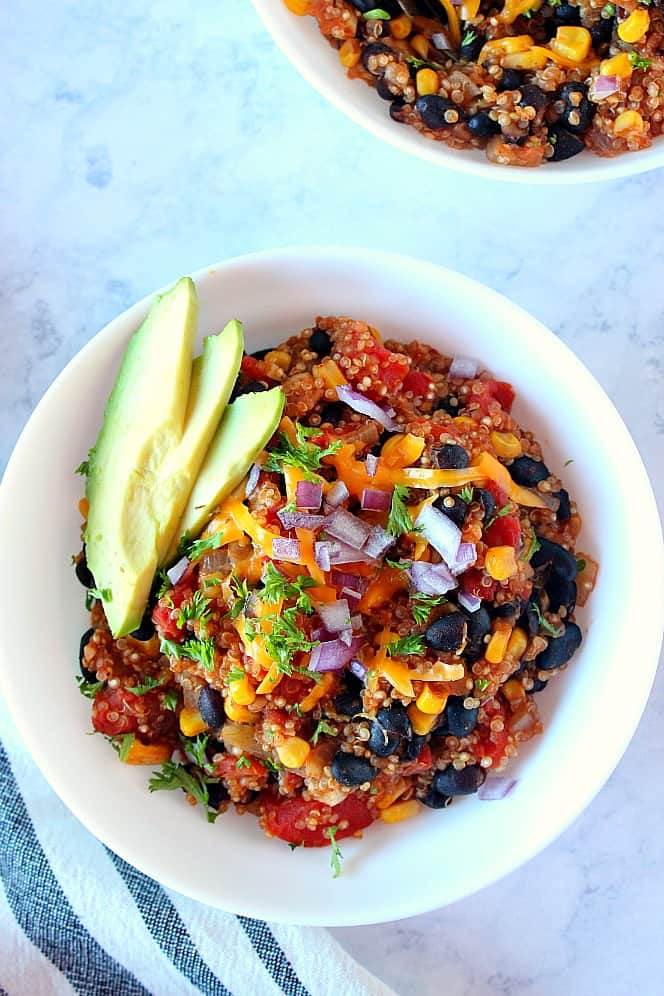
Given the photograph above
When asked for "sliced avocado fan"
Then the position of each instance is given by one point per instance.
(246, 428)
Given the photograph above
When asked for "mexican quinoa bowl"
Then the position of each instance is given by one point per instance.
(362, 624)
(526, 83)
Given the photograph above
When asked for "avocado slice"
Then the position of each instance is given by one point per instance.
(212, 378)
(144, 418)
(247, 426)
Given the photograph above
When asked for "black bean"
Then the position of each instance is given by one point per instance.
(396, 110)
(566, 14)
(528, 472)
(388, 730)
(83, 572)
(320, 342)
(533, 96)
(465, 782)
(217, 793)
(561, 593)
(449, 404)
(211, 707)
(350, 770)
(413, 748)
(381, 742)
(85, 671)
(556, 558)
(531, 616)
(369, 53)
(251, 387)
(383, 90)
(481, 125)
(471, 45)
(453, 507)
(506, 610)
(146, 629)
(334, 413)
(538, 686)
(560, 649)
(395, 719)
(512, 79)
(565, 144)
(478, 625)
(348, 704)
(601, 33)
(577, 111)
(564, 509)
(260, 354)
(486, 500)
(451, 456)
(458, 721)
(447, 633)
(432, 110)
(434, 800)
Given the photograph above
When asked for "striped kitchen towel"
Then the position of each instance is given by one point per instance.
(75, 918)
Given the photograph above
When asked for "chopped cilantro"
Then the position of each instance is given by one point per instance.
(147, 685)
(544, 624)
(469, 37)
(399, 521)
(196, 747)
(84, 466)
(278, 587)
(535, 545)
(638, 61)
(568, 462)
(377, 15)
(423, 604)
(580, 564)
(212, 815)
(554, 3)
(413, 644)
(336, 856)
(170, 700)
(193, 650)
(271, 765)
(123, 745)
(297, 709)
(174, 776)
(93, 595)
(195, 550)
(236, 673)
(303, 454)
(164, 582)
(608, 10)
(286, 639)
(294, 847)
(194, 609)
(466, 493)
(323, 727)
(399, 565)
(416, 63)
(505, 510)
(481, 684)
(88, 688)
(243, 762)
(240, 589)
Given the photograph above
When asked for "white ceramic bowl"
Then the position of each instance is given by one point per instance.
(590, 712)
(301, 41)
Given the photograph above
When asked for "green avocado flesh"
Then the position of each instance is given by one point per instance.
(159, 420)
(246, 428)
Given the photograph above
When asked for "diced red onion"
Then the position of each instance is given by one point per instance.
(375, 501)
(344, 579)
(551, 502)
(337, 494)
(348, 528)
(469, 602)
(358, 669)
(603, 87)
(379, 543)
(301, 520)
(252, 480)
(443, 535)
(465, 558)
(441, 41)
(431, 579)
(346, 635)
(285, 549)
(496, 788)
(359, 403)
(335, 615)
(175, 572)
(351, 593)
(335, 552)
(463, 366)
(308, 495)
(371, 463)
(332, 655)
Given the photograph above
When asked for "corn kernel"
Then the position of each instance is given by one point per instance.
(242, 691)
(330, 373)
(238, 713)
(294, 752)
(500, 562)
(534, 58)
(506, 445)
(401, 27)
(628, 121)
(514, 692)
(421, 46)
(280, 357)
(497, 645)
(464, 422)
(400, 811)
(634, 27)
(517, 643)
(421, 722)
(389, 797)
(191, 722)
(317, 692)
(299, 7)
(619, 65)
(350, 52)
(426, 82)
(573, 43)
(505, 46)
(403, 450)
(430, 702)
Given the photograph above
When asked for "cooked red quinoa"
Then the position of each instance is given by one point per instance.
(528, 82)
(435, 681)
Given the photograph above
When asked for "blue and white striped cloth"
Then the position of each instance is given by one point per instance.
(75, 918)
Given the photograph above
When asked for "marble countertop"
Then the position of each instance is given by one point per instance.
(144, 141)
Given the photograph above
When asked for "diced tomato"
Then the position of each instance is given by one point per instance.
(418, 382)
(164, 615)
(365, 350)
(281, 817)
(495, 390)
(471, 584)
(292, 689)
(421, 763)
(249, 768)
(254, 369)
(505, 531)
(492, 744)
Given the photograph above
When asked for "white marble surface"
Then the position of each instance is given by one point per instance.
(140, 141)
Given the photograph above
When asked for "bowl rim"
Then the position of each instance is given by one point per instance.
(56, 778)
(557, 174)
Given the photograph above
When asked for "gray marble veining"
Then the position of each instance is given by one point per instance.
(142, 141)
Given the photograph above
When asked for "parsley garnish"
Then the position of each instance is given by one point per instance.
(174, 776)
(377, 15)
(481, 684)
(243, 762)
(84, 466)
(196, 549)
(195, 609)
(271, 765)
(323, 727)
(422, 63)
(294, 847)
(336, 856)
(193, 650)
(399, 521)
(608, 10)
(285, 640)
(505, 510)
(423, 604)
(469, 37)
(164, 582)
(123, 745)
(535, 545)
(196, 748)
(568, 462)
(93, 595)
(278, 587)
(580, 565)
(170, 700)
(466, 493)
(399, 565)
(240, 589)
(147, 685)
(297, 709)
(301, 453)
(88, 688)
(555, 3)
(638, 61)
(236, 673)
(544, 623)
(413, 644)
